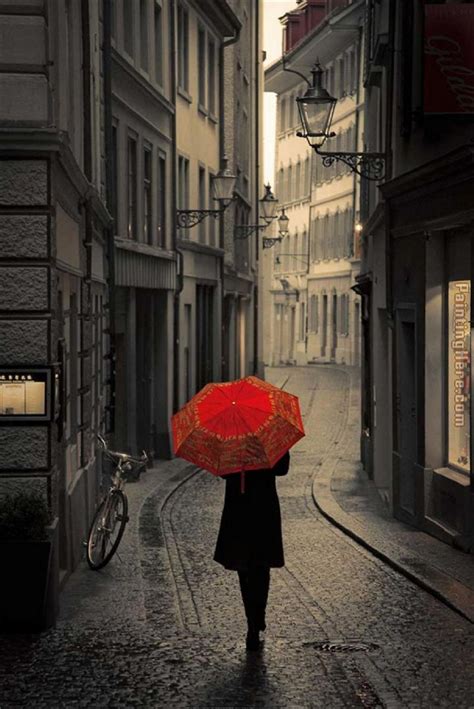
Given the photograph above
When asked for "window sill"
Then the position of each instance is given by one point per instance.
(213, 118)
(202, 110)
(184, 94)
(453, 475)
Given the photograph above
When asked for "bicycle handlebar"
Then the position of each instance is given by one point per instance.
(125, 457)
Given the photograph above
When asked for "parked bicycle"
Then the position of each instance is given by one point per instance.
(111, 516)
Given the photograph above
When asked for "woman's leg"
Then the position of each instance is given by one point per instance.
(246, 597)
(261, 588)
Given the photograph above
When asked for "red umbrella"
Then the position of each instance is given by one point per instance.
(235, 426)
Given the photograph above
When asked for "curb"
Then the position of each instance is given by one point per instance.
(453, 593)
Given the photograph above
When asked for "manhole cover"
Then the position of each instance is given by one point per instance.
(346, 647)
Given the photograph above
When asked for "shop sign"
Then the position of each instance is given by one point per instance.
(449, 59)
(459, 365)
(25, 394)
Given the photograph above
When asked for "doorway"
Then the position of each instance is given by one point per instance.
(324, 334)
(334, 328)
(405, 491)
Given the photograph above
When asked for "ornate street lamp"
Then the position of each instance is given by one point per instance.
(316, 109)
(283, 221)
(223, 185)
(268, 207)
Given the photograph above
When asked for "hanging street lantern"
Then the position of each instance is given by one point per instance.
(316, 109)
(269, 205)
(223, 186)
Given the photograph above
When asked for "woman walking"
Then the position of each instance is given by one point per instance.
(250, 539)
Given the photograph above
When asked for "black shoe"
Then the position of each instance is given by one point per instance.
(252, 641)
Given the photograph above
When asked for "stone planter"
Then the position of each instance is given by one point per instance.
(29, 584)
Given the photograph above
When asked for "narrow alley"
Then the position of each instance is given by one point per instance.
(163, 626)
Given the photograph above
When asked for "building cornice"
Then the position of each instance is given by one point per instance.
(221, 15)
(188, 245)
(322, 37)
(145, 249)
(142, 82)
(42, 143)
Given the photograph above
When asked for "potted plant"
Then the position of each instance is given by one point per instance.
(26, 545)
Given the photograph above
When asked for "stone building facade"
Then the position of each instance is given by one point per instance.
(314, 313)
(54, 341)
(417, 265)
(143, 116)
(242, 107)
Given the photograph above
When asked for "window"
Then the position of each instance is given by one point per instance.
(115, 177)
(161, 216)
(183, 183)
(212, 205)
(325, 238)
(354, 71)
(298, 190)
(282, 114)
(302, 322)
(143, 34)
(344, 314)
(211, 77)
(202, 203)
(128, 23)
(313, 314)
(147, 192)
(201, 68)
(183, 52)
(158, 45)
(291, 111)
(132, 188)
(342, 77)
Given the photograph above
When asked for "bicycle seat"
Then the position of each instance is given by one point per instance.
(125, 457)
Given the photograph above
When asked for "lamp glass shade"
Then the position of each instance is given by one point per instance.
(316, 115)
(223, 185)
(268, 204)
(283, 224)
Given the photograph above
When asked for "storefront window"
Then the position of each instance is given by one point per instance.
(459, 368)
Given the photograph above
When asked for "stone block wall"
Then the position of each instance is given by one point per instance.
(25, 308)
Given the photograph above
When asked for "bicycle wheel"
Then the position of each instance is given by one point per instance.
(107, 529)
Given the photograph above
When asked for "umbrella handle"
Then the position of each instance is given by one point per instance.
(242, 482)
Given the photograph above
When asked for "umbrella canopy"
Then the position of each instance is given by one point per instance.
(234, 426)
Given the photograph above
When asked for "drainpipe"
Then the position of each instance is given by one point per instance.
(257, 294)
(226, 43)
(111, 199)
(179, 254)
(389, 158)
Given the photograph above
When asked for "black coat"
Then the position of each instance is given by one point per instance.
(250, 529)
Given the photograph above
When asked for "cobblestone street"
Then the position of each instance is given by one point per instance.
(163, 625)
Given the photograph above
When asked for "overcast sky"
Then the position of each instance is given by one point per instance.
(272, 44)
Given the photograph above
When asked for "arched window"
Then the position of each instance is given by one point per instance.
(339, 148)
(307, 180)
(304, 249)
(290, 193)
(297, 193)
(325, 249)
(283, 114)
(291, 111)
(337, 227)
(280, 186)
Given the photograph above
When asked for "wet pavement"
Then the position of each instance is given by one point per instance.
(164, 626)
